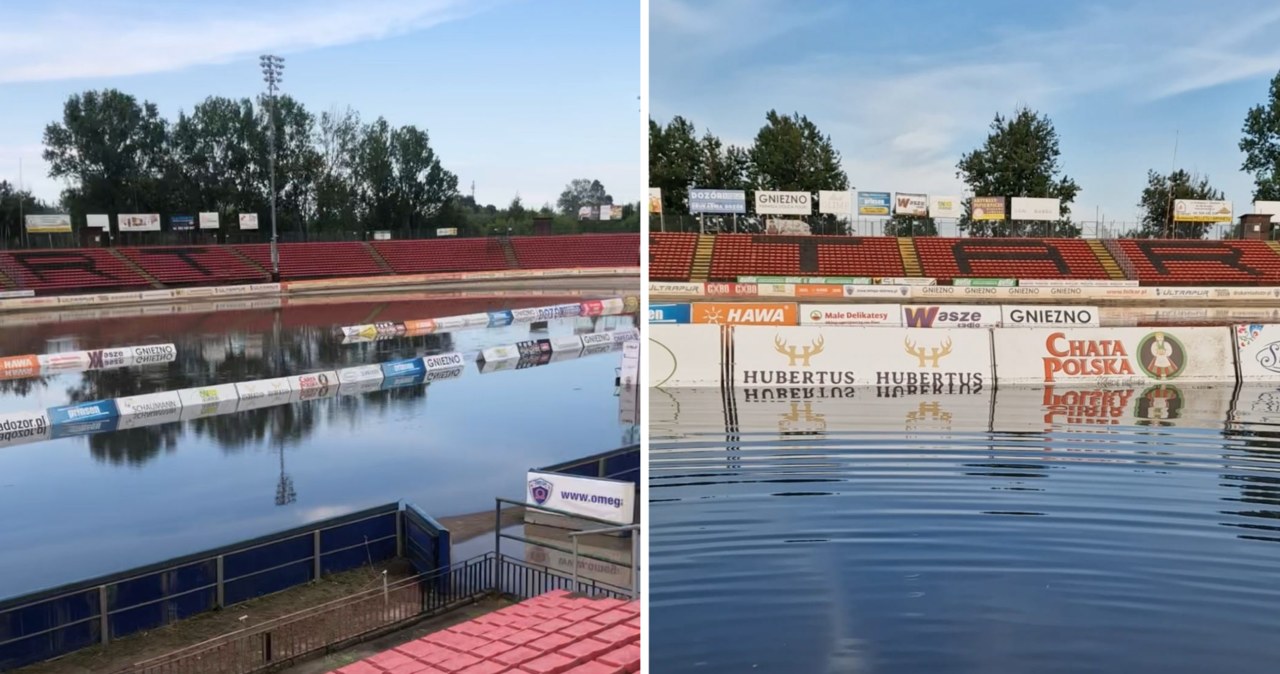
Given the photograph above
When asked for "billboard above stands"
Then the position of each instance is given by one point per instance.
(248, 221)
(182, 223)
(948, 207)
(210, 221)
(913, 361)
(1047, 315)
(685, 355)
(676, 289)
(985, 282)
(794, 412)
(874, 203)
(446, 231)
(988, 208)
(1201, 210)
(57, 223)
(655, 200)
(1041, 408)
(717, 201)
(1271, 208)
(1115, 355)
(744, 313)
(1029, 208)
(851, 314)
(835, 202)
(97, 221)
(783, 203)
(950, 316)
(138, 222)
(609, 500)
(779, 227)
(811, 280)
(669, 313)
(23, 427)
(914, 205)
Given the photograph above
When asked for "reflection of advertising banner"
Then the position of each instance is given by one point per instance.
(605, 559)
(1259, 352)
(783, 203)
(248, 221)
(1036, 409)
(669, 313)
(443, 361)
(988, 208)
(19, 367)
(899, 360)
(799, 411)
(915, 205)
(717, 201)
(1115, 355)
(401, 368)
(1201, 210)
(1027, 208)
(655, 200)
(138, 222)
(182, 223)
(609, 500)
(835, 202)
(778, 226)
(685, 355)
(1045, 315)
(59, 223)
(874, 203)
(23, 427)
(951, 316)
(630, 373)
(851, 314)
(446, 231)
(744, 313)
(945, 207)
(97, 221)
(209, 221)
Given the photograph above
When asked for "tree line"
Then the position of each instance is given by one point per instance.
(334, 172)
(1019, 158)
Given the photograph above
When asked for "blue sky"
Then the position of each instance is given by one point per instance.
(905, 88)
(517, 95)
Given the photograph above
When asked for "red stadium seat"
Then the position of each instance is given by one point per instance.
(442, 255)
(315, 260)
(585, 250)
(73, 269)
(175, 265)
(756, 254)
(947, 259)
(1193, 262)
(671, 256)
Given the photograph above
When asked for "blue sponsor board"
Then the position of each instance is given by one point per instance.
(84, 428)
(97, 410)
(403, 368)
(717, 201)
(875, 203)
(182, 223)
(499, 319)
(669, 313)
(405, 380)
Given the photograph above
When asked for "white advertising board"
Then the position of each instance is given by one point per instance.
(671, 289)
(685, 355)
(69, 361)
(248, 221)
(914, 205)
(950, 316)
(784, 203)
(857, 291)
(138, 222)
(609, 500)
(208, 395)
(153, 353)
(22, 427)
(1271, 208)
(905, 360)
(209, 221)
(850, 314)
(835, 202)
(630, 372)
(945, 206)
(498, 354)
(149, 410)
(1029, 208)
(359, 373)
(97, 220)
(1258, 348)
(1048, 315)
(1036, 409)
(443, 361)
(315, 384)
(776, 290)
(1115, 356)
(566, 343)
(1201, 210)
(259, 388)
(791, 412)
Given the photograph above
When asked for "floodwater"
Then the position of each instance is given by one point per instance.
(1016, 530)
(78, 507)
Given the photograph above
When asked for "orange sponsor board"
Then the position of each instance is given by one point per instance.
(819, 291)
(745, 313)
(420, 327)
(19, 367)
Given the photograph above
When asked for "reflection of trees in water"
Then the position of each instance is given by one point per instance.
(1256, 488)
(21, 388)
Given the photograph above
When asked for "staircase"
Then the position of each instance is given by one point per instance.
(1108, 261)
(1274, 246)
(910, 258)
(249, 261)
(702, 258)
(7, 283)
(134, 266)
(377, 257)
(509, 252)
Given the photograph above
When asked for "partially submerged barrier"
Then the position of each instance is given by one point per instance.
(358, 334)
(32, 365)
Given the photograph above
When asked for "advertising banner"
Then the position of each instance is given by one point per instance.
(572, 343)
(1258, 347)
(670, 313)
(1115, 356)
(69, 361)
(775, 290)
(149, 410)
(851, 314)
(597, 339)
(731, 289)
(67, 430)
(717, 201)
(261, 388)
(587, 212)
(359, 373)
(630, 372)
(794, 412)
(835, 202)
(210, 221)
(500, 353)
(153, 353)
(988, 208)
(83, 413)
(442, 375)
(23, 427)
(809, 280)
(781, 227)
(902, 360)
(248, 221)
(816, 291)
(498, 319)
(685, 355)
(57, 223)
(1038, 409)
(403, 381)
(909, 281)
(915, 205)
(208, 395)
(624, 335)
(19, 367)
(1028, 208)
(313, 381)
(443, 361)
(874, 203)
(951, 316)
(97, 221)
(1271, 208)
(609, 500)
(744, 313)
(948, 207)
(612, 306)
(401, 368)
(1045, 316)
(784, 203)
(1201, 210)
(138, 222)
(665, 288)
(182, 223)
(655, 200)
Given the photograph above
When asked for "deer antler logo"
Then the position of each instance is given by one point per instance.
(931, 355)
(796, 353)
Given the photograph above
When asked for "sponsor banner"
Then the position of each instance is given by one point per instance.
(624, 335)
(909, 281)
(784, 203)
(248, 221)
(461, 322)
(403, 381)
(717, 201)
(986, 282)
(58, 223)
(988, 208)
(1200, 210)
(775, 290)
(499, 319)
(313, 381)
(153, 353)
(97, 410)
(669, 313)
(262, 388)
(598, 346)
(571, 343)
(446, 231)
(915, 205)
(490, 366)
(905, 360)
(1033, 208)
(1115, 356)
(527, 315)
(359, 373)
(424, 326)
(443, 361)
(17, 293)
(1046, 315)
(948, 207)
(596, 339)
(108, 358)
(500, 353)
(359, 333)
(1258, 348)
(402, 368)
(792, 412)
(780, 226)
(951, 316)
(591, 308)
(533, 348)
(149, 410)
(19, 367)
(23, 427)
(97, 221)
(182, 223)
(1271, 208)
(744, 313)
(685, 355)
(858, 291)
(70, 361)
(138, 222)
(851, 314)
(655, 200)
(630, 371)
(617, 574)
(1134, 293)
(208, 395)
(258, 402)
(874, 203)
(609, 500)
(835, 202)
(811, 280)
(827, 291)
(612, 306)
(1085, 283)
(210, 221)
(389, 329)
(731, 290)
(361, 387)
(1037, 409)
(69, 430)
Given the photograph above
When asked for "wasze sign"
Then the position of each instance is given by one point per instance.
(1115, 355)
(950, 316)
(908, 361)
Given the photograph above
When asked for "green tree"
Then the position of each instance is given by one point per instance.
(911, 225)
(400, 182)
(1157, 199)
(675, 162)
(298, 163)
(215, 148)
(337, 140)
(720, 166)
(1260, 144)
(790, 153)
(582, 192)
(14, 205)
(1018, 159)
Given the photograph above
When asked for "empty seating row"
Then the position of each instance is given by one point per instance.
(442, 255)
(671, 256)
(174, 265)
(1193, 262)
(946, 259)
(74, 269)
(586, 250)
(737, 255)
(315, 260)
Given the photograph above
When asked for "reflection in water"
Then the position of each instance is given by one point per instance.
(1021, 529)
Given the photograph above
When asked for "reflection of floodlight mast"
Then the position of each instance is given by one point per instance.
(285, 493)
(272, 73)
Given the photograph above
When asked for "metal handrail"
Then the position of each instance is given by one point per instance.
(635, 557)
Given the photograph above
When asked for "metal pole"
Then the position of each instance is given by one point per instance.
(497, 542)
(272, 69)
(575, 563)
(635, 564)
